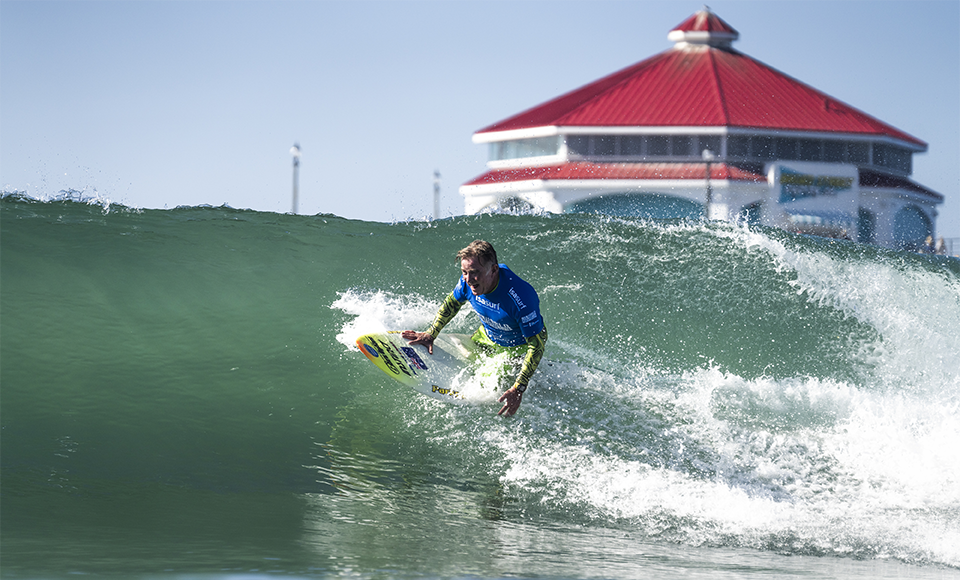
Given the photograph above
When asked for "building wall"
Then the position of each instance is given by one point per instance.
(756, 202)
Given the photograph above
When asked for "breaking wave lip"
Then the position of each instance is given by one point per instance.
(82, 196)
(96, 199)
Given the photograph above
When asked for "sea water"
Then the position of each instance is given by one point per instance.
(180, 397)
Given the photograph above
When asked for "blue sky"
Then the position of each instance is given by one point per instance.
(160, 104)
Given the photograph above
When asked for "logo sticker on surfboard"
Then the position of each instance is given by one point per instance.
(414, 358)
(373, 352)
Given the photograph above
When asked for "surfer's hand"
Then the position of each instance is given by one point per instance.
(422, 338)
(511, 401)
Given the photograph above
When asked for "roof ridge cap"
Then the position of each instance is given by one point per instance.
(703, 28)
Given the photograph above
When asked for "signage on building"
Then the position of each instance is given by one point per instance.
(815, 198)
(797, 185)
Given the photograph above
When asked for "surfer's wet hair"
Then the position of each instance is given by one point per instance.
(481, 250)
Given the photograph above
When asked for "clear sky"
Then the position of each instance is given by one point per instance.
(160, 104)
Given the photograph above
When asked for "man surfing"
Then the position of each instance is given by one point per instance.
(509, 309)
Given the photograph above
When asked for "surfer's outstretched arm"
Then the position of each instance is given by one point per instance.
(449, 309)
(536, 345)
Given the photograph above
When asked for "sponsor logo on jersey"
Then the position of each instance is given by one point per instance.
(494, 324)
(516, 298)
(532, 316)
(487, 303)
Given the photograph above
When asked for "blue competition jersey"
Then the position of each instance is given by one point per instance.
(510, 313)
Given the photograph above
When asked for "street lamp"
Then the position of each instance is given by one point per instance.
(436, 194)
(295, 151)
(708, 156)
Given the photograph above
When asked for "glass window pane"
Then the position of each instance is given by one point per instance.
(857, 152)
(763, 148)
(879, 154)
(809, 150)
(577, 144)
(657, 145)
(738, 146)
(604, 145)
(630, 145)
(786, 148)
(902, 160)
(711, 142)
(682, 145)
(833, 151)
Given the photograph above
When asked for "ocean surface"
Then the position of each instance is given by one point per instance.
(180, 397)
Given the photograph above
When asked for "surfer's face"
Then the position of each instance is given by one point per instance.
(481, 279)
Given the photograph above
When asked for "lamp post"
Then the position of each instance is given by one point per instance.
(295, 151)
(708, 156)
(436, 194)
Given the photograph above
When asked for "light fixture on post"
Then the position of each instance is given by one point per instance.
(436, 194)
(708, 157)
(295, 151)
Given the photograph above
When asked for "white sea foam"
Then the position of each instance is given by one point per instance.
(378, 311)
(802, 465)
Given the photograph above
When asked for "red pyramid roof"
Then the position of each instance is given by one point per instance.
(701, 82)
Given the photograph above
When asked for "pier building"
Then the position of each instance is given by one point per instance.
(703, 130)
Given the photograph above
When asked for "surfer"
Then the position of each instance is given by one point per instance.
(508, 307)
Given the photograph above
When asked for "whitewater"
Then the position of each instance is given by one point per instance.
(180, 397)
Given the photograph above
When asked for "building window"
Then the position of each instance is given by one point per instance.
(763, 148)
(834, 151)
(891, 157)
(578, 144)
(786, 148)
(810, 150)
(536, 147)
(639, 146)
(658, 145)
(858, 153)
(631, 145)
(682, 145)
(711, 142)
(738, 147)
(605, 145)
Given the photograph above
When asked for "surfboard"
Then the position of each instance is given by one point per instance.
(448, 374)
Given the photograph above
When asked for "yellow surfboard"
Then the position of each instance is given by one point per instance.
(441, 375)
